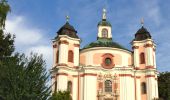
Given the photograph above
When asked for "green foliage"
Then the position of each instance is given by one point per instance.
(6, 40)
(4, 9)
(164, 85)
(65, 95)
(21, 78)
(24, 78)
(6, 44)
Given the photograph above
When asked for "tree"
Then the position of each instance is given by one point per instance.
(164, 85)
(4, 9)
(21, 78)
(24, 78)
(6, 40)
(61, 95)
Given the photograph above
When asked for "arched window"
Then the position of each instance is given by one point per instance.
(69, 86)
(143, 87)
(104, 33)
(142, 58)
(70, 56)
(57, 56)
(108, 86)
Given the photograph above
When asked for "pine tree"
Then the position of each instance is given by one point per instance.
(21, 78)
(24, 78)
(164, 85)
(6, 39)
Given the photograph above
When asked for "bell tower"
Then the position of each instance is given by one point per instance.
(104, 27)
(145, 64)
(66, 46)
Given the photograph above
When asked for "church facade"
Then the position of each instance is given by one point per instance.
(103, 69)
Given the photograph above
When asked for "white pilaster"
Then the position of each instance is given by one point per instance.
(136, 58)
(75, 88)
(63, 53)
(138, 89)
(154, 59)
(76, 56)
(62, 83)
(151, 88)
(149, 52)
(127, 88)
(90, 88)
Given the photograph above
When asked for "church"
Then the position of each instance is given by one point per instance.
(104, 69)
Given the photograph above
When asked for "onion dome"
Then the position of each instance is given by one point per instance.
(142, 34)
(68, 30)
(105, 43)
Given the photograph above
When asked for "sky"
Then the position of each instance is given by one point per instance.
(35, 23)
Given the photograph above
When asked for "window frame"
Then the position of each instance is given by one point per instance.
(143, 88)
(142, 58)
(70, 56)
(104, 33)
(107, 87)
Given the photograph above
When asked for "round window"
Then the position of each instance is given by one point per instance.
(108, 61)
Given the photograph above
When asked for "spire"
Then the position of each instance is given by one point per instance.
(104, 14)
(142, 22)
(67, 18)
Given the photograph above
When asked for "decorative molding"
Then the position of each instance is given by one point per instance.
(108, 55)
(138, 77)
(62, 64)
(135, 47)
(137, 68)
(148, 76)
(64, 74)
(74, 75)
(123, 75)
(76, 45)
(88, 74)
(148, 45)
(76, 67)
(150, 67)
(108, 66)
(64, 42)
(100, 85)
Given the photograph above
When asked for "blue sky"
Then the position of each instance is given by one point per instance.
(35, 23)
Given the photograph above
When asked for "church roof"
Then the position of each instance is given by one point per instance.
(142, 34)
(102, 42)
(69, 30)
(104, 22)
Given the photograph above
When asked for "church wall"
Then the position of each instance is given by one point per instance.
(130, 59)
(93, 56)
(127, 87)
(75, 88)
(82, 59)
(90, 87)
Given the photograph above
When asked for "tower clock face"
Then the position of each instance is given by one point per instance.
(105, 33)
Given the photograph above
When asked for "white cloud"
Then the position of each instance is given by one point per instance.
(29, 38)
(25, 35)
(46, 51)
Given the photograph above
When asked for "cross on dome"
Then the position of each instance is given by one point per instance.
(104, 13)
(142, 21)
(67, 18)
